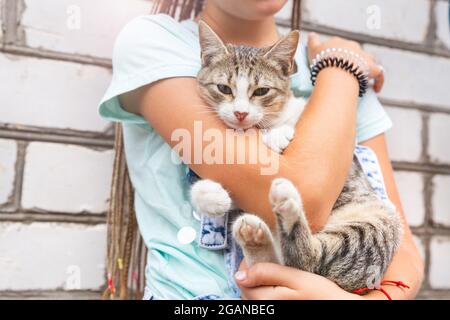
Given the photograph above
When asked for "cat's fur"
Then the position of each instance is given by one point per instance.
(358, 242)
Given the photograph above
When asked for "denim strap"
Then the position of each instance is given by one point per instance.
(371, 168)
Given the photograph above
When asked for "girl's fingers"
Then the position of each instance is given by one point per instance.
(313, 42)
(266, 274)
(377, 73)
(379, 81)
(313, 39)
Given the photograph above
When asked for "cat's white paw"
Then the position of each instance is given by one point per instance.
(210, 198)
(251, 232)
(278, 138)
(282, 190)
(285, 201)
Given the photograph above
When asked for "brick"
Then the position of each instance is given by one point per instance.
(404, 138)
(439, 137)
(66, 178)
(375, 18)
(78, 26)
(49, 93)
(414, 77)
(8, 154)
(48, 256)
(442, 23)
(439, 263)
(441, 200)
(411, 189)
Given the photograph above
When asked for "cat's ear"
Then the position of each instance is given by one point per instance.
(283, 52)
(210, 43)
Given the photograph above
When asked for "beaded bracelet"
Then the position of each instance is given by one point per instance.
(344, 59)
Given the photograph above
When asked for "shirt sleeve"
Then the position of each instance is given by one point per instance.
(371, 118)
(148, 49)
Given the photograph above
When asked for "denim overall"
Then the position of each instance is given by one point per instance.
(215, 233)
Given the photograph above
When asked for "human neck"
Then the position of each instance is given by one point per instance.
(260, 33)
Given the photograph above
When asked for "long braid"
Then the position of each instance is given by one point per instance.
(125, 249)
(296, 14)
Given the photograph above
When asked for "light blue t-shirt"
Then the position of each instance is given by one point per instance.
(148, 49)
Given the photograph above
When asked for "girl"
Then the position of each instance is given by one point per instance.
(153, 93)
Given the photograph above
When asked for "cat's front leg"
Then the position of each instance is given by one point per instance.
(210, 198)
(278, 138)
(256, 240)
(297, 242)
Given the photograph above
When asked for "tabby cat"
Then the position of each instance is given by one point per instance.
(250, 87)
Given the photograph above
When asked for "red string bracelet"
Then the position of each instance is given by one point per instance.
(397, 283)
(111, 287)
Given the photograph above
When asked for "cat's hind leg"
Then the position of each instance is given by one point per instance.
(255, 239)
(210, 198)
(297, 242)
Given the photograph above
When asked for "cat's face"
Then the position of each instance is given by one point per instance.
(246, 86)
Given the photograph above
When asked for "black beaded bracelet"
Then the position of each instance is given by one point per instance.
(344, 64)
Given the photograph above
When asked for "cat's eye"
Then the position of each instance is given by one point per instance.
(260, 92)
(224, 89)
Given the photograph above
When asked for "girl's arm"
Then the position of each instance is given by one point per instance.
(317, 160)
(271, 281)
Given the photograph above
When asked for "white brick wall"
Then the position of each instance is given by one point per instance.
(41, 97)
(49, 93)
(8, 153)
(443, 30)
(78, 26)
(403, 138)
(375, 18)
(60, 178)
(439, 145)
(440, 262)
(412, 77)
(411, 189)
(441, 200)
(49, 256)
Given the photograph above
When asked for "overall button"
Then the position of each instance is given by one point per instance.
(186, 235)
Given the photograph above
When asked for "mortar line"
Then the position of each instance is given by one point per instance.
(11, 23)
(102, 142)
(368, 39)
(421, 167)
(20, 128)
(415, 106)
(50, 294)
(20, 167)
(54, 55)
(427, 262)
(430, 37)
(425, 136)
(428, 226)
(28, 218)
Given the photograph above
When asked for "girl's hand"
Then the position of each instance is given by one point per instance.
(315, 46)
(269, 281)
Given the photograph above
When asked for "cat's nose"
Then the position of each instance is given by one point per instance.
(240, 115)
